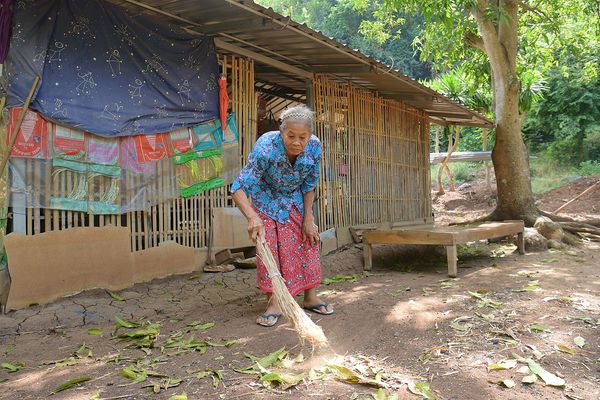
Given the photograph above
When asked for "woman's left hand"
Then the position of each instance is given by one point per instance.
(310, 231)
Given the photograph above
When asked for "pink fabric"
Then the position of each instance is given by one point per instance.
(299, 263)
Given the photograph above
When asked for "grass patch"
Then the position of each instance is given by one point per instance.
(462, 171)
(547, 175)
(469, 251)
(589, 168)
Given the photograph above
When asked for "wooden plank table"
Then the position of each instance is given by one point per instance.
(448, 236)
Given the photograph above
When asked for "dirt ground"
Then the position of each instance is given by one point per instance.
(403, 324)
(473, 199)
(587, 204)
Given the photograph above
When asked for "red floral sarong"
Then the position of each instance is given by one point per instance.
(299, 263)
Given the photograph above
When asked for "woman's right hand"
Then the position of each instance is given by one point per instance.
(256, 229)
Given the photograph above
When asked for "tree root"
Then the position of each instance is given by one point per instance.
(593, 238)
(563, 218)
(574, 227)
(571, 239)
(579, 227)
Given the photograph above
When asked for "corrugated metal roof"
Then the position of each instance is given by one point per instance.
(265, 33)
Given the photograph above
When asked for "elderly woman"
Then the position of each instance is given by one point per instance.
(280, 177)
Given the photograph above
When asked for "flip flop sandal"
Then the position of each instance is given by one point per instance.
(317, 309)
(275, 317)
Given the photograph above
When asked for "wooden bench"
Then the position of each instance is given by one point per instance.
(448, 236)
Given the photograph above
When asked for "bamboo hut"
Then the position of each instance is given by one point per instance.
(372, 120)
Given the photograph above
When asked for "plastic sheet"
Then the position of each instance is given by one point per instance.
(109, 71)
(111, 176)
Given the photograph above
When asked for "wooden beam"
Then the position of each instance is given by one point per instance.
(280, 94)
(461, 156)
(341, 69)
(232, 26)
(420, 97)
(221, 44)
(468, 122)
(449, 114)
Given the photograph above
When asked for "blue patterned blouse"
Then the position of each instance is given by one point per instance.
(273, 183)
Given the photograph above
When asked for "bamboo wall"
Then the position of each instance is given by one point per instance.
(375, 165)
(182, 220)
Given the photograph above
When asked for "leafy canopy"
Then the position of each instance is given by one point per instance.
(387, 37)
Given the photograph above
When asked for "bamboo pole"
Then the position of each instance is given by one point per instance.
(71, 183)
(17, 127)
(47, 179)
(29, 169)
(138, 216)
(36, 194)
(55, 213)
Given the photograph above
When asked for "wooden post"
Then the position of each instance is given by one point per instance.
(521, 243)
(452, 260)
(367, 256)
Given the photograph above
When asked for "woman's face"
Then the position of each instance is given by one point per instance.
(295, 137)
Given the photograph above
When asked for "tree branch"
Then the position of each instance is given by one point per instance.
(526, 7)
(475, 41)
(489, 38)
(508, 36)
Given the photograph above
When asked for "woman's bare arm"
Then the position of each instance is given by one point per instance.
(256, 229)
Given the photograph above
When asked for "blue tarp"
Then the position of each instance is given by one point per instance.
(109, 70)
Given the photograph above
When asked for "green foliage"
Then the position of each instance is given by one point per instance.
(369, 28)
(464, 86)
(557, 62)
(591, 142)
(589, 168)
(532, 88)
(547, 173)
(462, 171)
(465, 172)
(471, 139)
(565, 123)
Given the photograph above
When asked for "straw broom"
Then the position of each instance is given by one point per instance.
(304, 326)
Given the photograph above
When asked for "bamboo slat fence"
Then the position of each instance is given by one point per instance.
(375, 165)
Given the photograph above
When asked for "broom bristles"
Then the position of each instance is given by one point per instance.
(304, 326)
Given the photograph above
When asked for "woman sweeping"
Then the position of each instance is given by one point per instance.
(280, 177)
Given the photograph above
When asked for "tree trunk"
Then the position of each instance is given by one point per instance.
(511, 161)
(510, 156)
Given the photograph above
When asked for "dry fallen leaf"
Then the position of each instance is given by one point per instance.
(579, 341)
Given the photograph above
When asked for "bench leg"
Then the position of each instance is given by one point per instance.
(367, 256)
(452, 258)
(521, 243)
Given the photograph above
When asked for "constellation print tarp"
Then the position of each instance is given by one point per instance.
(108, 70)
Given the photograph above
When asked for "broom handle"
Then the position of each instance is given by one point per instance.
(17, 127)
